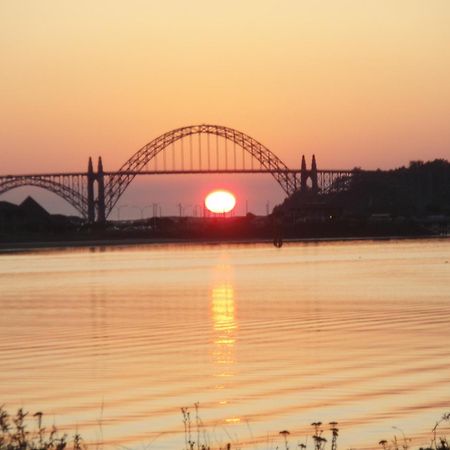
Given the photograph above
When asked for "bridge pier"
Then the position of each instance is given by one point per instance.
(90, 192)
(306, 174)
(101, 216)
(314, 179)
(96, 204)
(303, 176)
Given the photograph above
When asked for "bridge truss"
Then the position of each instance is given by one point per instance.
(198, 149)
(208, 157)
(72, 187)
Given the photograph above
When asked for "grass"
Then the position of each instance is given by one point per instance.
(438, 440)
(193, 428)
(24, 431)
(203, 441)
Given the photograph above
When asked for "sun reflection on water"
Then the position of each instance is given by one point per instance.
(223, 313)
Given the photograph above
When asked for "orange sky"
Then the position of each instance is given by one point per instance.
(358, 83)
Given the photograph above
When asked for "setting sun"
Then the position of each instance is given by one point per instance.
(220, 201)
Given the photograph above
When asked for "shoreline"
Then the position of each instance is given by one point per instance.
(24, 246)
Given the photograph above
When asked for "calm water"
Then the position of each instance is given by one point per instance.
(114, 341)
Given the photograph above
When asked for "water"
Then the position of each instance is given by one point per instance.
(115, 341)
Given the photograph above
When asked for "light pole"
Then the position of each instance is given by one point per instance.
(140, 209)
(118, 210)
(196, 208)
(144, 208)
(186, 209)
(155, 213)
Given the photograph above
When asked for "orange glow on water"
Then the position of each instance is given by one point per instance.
(220, 201)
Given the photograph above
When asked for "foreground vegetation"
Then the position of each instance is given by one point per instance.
(197, 439)
(24, 431)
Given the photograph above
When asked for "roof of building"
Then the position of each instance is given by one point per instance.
(31, 206)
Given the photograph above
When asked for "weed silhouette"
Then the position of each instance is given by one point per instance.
(21, 432)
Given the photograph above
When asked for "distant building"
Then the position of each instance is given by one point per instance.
(30, 216)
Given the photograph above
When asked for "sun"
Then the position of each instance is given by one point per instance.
(220, 201)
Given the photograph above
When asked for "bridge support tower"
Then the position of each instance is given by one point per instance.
(96, 197)
(311, 174)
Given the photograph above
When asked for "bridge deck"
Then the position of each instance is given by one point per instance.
(180, 172)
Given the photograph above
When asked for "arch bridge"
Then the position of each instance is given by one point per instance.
(197, 149)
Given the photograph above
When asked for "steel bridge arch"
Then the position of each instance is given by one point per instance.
(118, 183)
(71, 196)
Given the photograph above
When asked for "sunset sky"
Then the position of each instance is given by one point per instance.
(358, 83)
